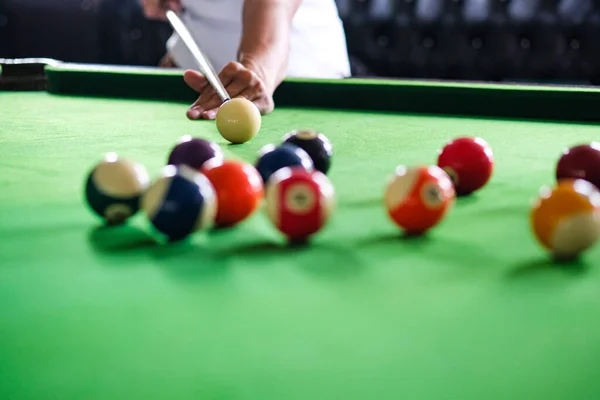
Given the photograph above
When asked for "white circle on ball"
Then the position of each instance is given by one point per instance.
(300, 198)
(431, 195)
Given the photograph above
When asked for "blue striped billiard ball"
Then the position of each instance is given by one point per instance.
(272, 158)
(180, 202)
(114, 187)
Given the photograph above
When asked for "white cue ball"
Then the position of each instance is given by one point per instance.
(238, 120)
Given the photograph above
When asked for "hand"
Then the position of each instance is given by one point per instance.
(157, 9)
(239, 80)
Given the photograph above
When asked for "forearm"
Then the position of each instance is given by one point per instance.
(265, 42)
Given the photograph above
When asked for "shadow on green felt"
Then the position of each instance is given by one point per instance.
(361, 203)
(395, 237)
(540, 266)
(262, 249)
(314, 257)
(119, 239)
(459, 255)
(332, 262)
(187, 260)
(467, 200)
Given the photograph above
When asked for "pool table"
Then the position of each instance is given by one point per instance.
(475, 309)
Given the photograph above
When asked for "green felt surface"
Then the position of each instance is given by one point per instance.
(475, 310)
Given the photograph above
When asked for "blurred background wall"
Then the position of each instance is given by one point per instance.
(524, 40)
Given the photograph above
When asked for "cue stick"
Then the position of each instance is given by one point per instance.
(205, 67)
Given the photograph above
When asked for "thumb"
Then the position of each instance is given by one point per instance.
(195, 80)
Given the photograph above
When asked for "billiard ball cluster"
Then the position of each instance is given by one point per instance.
(299, 197)
(199, 188)
(565, 218)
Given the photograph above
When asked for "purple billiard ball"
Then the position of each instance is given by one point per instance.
(194, 152)
(580, 162)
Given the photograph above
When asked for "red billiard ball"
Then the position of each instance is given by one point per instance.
(299, 202)
(469, 161)
(418, 198)
(580, 162)
(238, 187)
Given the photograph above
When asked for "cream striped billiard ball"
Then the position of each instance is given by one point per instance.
(565, 219)
(299, 202)
(113, 188)
(418, 198)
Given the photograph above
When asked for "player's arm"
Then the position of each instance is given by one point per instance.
(265, 42)
(263, 55)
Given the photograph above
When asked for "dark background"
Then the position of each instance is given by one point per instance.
(517, 40)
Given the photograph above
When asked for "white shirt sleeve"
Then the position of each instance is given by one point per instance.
(318, 43)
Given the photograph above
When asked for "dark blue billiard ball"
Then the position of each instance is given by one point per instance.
(316, 144)
(272, 158)
(114, 187)
(180, 202)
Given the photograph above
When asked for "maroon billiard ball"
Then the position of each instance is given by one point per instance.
(580, 162)
(194, 152)
(469, 161)
(299, 202)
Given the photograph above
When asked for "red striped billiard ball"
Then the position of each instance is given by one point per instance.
(418, 198)
(299, 202)
(580, 162)
(469, 161)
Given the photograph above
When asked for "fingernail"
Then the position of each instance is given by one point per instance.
(194, 113)
(210, 114)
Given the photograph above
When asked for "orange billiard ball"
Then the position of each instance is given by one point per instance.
(565, 219)
(238, 187)
(418, 198)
